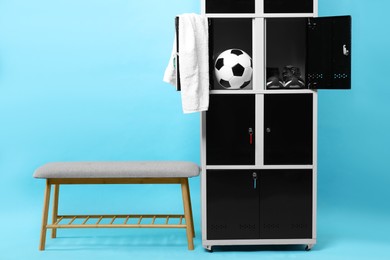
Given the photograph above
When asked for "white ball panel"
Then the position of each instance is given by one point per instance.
(244, 60)
(231, 60)
(224, 73)
(247, 74)
(236, 82)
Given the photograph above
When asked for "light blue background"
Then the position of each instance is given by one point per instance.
(82, 80)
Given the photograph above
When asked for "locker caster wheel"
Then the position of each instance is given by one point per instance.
(209, 249)
(309, 247)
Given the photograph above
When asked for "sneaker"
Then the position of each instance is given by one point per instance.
(273, 79)
(292, 77)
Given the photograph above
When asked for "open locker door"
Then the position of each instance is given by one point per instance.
(178, 85)
(329, 53)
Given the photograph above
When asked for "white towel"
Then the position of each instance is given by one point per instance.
(194, 63)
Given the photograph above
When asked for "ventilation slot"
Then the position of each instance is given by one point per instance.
(315, 76)
(217, 227)
(298, 226)
(247, 226)
(271, 226)
(340, 76)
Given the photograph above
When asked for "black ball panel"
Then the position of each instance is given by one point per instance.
(219, 64)
(245, 84)
(225, 83)
(238, 70)
(237, 52)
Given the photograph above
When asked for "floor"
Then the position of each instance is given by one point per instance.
(343, 233)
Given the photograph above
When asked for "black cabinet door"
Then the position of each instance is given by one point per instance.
(288, 6)
(232, 204)
(230, 123)
(329, 53)
(230, 6)
(286, 204)
(288, 129)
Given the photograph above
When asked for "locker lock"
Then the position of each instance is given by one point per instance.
(254, 175)
(250, 131)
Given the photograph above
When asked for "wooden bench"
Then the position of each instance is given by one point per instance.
(163, 172)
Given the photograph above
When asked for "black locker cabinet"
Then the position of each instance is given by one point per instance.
(259, 142)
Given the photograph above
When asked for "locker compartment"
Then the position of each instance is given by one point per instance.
(230, 127)
(259, 204)
(230, 6)
(288, 129)
(288, 6)
(285, 53)
(286, 199)
(232, 39)
(232, 205)
(312, 53)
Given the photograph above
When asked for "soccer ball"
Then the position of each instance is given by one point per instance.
(233, 69)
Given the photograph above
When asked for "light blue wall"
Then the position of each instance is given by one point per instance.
(82, 80)
(354, 126)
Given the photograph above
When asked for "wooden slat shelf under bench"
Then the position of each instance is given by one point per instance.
(119, 221)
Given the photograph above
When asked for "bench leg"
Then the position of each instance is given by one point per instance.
(187, 213)
(46, 202)
(55, 209)
(190, 207)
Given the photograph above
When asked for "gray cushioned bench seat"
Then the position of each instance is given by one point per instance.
(126, 169)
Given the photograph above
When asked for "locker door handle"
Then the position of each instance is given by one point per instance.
(345, 50)
(250, 131)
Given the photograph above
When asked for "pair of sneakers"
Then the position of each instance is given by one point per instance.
(291, 78)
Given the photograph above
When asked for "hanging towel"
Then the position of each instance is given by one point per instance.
(194, 63)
